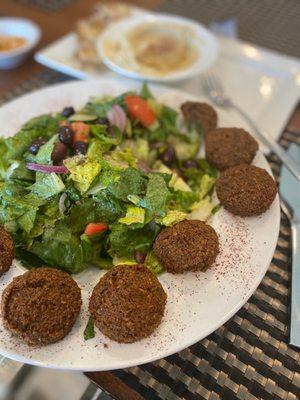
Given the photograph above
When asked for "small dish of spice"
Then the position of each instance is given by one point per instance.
(18, 36)
(8, 43)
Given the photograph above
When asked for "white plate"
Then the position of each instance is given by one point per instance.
(207, 45)
(198, 303)
(264, 83)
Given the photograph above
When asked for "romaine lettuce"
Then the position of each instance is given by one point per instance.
(134, 215)
(82, 171)
(47, 185)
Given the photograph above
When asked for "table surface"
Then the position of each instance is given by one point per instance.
(54, 25)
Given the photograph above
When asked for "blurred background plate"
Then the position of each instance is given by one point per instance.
(181, 30)
(264, 83)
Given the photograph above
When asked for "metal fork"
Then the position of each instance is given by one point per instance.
(213, 87)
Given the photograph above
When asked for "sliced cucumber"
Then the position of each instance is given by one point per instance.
(82, 118)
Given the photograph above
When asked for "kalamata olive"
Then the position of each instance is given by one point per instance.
(139, 257)
(65, 135)
(190, 164)
(36, 145)
(168, 157)
(102, 121)
(80, 147)
(59, 153)
(68, 111)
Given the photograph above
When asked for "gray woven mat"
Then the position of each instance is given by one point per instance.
(46, 5)
(272, 24)
(247, 358)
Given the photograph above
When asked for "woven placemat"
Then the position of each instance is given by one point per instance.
(47, 5)
(273, 24)
(247, 358)
(44, 78)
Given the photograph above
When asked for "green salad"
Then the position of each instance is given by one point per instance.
(96, 186)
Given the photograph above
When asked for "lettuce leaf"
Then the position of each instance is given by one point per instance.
(124, 241)
(44, 154)
(182, 201)
(18, 171)
(153, 263)
(172, 217)
(95, 150)
(83, 171)
(109, 174)
(104, 141)
(194, 175)
(206, 185)
(134, 215)
(47, 185)
(131, 181)
(3, 160)
(100, 107)
(201, 210)
(157, 195)
(145, 92)
(60, 248)
(101, 208)
(42, 126)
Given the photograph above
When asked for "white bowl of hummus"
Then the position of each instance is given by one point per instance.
(158, 47)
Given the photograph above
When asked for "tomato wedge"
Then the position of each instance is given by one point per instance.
(139, 109)
(81, 132)
(93, 228)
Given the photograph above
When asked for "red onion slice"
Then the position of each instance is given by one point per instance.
(47, 169)
(61, 203)
(117, 117)
(122, 117)
(144, 166)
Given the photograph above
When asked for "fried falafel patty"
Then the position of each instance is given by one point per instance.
(189, 245)
(41, 306)
(246, 190)
(227, 147)
(7, 251)
(128, 303)
(201, 113)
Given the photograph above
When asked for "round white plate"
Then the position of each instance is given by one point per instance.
(206, 42)
(198, 303)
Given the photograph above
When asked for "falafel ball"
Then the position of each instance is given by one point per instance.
(200, 113)
(246, 190)
(227, 147)
(7, 251)
(41, 306)
(128, 303)
(189, 245)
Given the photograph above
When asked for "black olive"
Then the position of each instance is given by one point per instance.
(168, 157)
(67, 112)
(35, 146)
(139, 257)
(80, 147)
(190, 164)
(59, 153)
(102, 121)
(65, 135)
